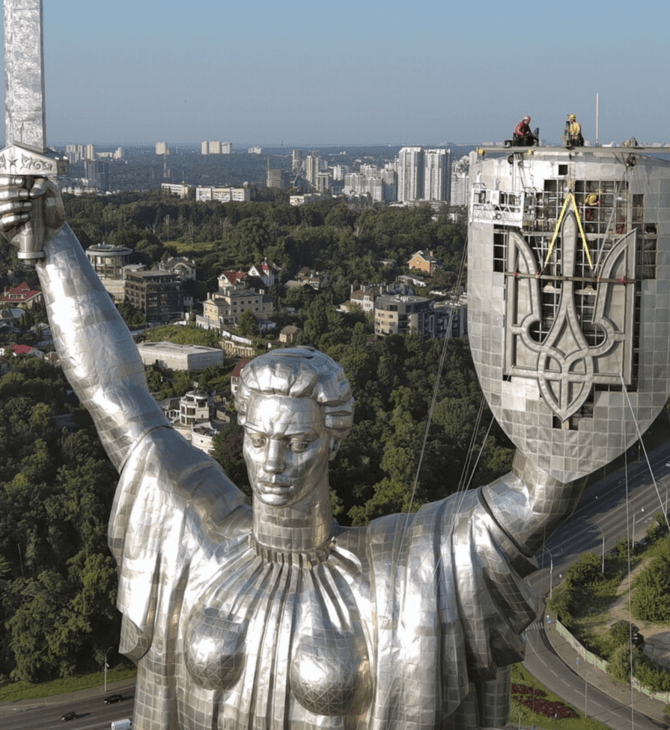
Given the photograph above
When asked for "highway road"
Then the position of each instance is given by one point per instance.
(604, 517)
(92, 713)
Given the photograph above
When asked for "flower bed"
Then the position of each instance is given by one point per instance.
(534, 700)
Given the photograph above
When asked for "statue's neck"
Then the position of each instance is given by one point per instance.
(301, 527)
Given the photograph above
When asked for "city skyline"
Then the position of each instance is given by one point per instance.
(306, 75)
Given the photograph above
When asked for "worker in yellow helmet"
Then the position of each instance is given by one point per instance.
(573, 132)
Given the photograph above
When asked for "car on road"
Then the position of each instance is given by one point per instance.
(112, 699)
(69, 716)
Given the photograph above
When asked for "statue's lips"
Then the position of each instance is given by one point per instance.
(278, 489)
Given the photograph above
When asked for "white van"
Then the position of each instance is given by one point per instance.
(126, 724)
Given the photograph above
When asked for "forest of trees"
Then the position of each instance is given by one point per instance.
(57, 578)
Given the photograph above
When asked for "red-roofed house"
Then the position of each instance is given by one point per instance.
(17, 350)
(235, 375)
(21, 295)
(264, 272)
(231, 279)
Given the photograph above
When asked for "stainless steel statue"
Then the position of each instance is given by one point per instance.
(271, 616)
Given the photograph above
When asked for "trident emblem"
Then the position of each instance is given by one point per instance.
(566, 328)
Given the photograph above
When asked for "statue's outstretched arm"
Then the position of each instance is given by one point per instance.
(97, 352)
(529, 504)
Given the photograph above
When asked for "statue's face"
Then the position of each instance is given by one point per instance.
(287, 448)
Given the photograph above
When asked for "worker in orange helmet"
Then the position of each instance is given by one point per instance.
(573, 132)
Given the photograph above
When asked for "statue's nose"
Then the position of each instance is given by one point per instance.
(274, 458)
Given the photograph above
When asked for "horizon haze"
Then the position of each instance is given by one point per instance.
(373, 73)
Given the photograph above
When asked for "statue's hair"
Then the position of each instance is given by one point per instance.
(299, 372)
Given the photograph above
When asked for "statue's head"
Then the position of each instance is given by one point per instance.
(295, 406)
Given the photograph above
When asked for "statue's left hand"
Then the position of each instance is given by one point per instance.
(20, 206)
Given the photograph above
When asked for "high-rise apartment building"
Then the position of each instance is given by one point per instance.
(162, 148)
(216, 148)
(460, 181)
(96, 173)
(296, 161)
(436, 174)
(275, 178)
(312, 167)
(410, 174)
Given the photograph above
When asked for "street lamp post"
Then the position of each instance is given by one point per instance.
(635, 521)
(586, 687)
(105, 668)
(551, 570)
(602, 532)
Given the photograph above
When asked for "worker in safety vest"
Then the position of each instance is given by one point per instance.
(573, 132)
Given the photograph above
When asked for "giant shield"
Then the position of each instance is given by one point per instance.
(569, 300)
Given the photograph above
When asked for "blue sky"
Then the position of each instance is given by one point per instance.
(313, 73)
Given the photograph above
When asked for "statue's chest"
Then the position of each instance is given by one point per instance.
(282, 638)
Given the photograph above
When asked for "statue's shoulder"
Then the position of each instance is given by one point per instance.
(165, 462)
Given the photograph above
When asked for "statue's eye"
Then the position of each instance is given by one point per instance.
(297, 446)
(257, 440)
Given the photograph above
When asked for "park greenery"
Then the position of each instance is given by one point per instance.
(583, 599)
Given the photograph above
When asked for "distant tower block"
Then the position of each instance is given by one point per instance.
(568, 299)
(410, 174)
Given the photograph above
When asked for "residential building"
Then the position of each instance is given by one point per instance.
(289, 334)
(312, 167)
(194, 406)
(399, 314)
(264, 272)
(410, 174)
(16, 350)
(424, 261)
(451, 319)
(162, 148)
(96, 174)
(296, 161)
(255, 150)
(303, 199)
(322, 182)
(436, 174)
(460, 181)
(224, 309)
(158, 294)
(224, 194)
(396, 315)
(183, 267)
(231, 280)
(179, 357)
(107, 260)
(216, 148)
(364, 298)
(235, 375)
(20, 296)
(275, 178)
(178, 190)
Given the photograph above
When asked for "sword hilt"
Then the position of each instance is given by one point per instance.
(17, 160)
(31, 237)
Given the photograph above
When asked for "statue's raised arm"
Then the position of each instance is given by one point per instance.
(97, 352)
